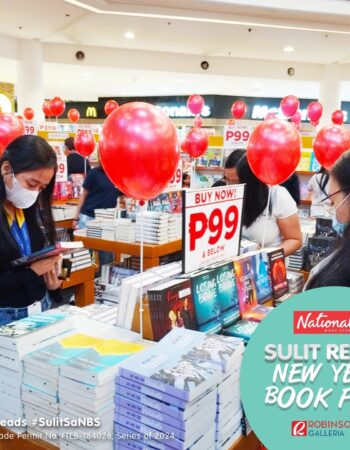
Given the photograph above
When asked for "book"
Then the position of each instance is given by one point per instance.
(246, 290)
(52, 250)
(243, 329)
(171, 306)
(257, 313)
(227, 293)
(205, 300)
(262, 278)
(278, 272)
(324, 228)
(317, 249)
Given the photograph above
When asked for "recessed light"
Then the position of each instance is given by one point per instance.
(67, 15)
(87, 74)
(288, 48)
(129, 35)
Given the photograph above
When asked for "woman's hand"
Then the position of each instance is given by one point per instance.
(51, 280)
(44, 265)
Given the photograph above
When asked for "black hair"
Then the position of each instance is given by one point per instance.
(233, 158)
(256, 192)
(69, 143)
(337, 271)
(322, 182)
(27, 153)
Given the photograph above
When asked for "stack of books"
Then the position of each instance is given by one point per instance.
(112, 229)
(109, 284)
(296, 260)
(295, 281)
(80, 259)
(63, 212)
(174, 395)
(16, 340)
(94, 228)
(110, 213)
(243, 329)
(86, 384)
(158, 227)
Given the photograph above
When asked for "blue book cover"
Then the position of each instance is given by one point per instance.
(243, 329)
(29, 324)
(206, 302)
(227, 293)
(260, 266)
(165, 366)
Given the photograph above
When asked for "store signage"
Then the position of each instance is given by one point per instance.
(211, 225)
(61, 174)
(175, 183)
(183, 111)
(237, 136)
(91, 111)
(30, 127)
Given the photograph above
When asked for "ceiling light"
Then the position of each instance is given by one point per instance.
(288, 48)
(87, 74)
(129, 35)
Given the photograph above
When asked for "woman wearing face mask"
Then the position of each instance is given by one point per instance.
(27, 169)
(334, 270)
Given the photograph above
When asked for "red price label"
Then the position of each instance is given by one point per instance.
(61, 168)
(238, 135)
(29, 129)
(177, 176)
(216, 223)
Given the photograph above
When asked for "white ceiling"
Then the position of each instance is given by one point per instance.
(317, 29)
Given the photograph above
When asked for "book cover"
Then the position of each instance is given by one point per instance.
(317, 249)
(243, 329)
(175, 306)
(52, 250)
(278, 272)
(246, 290)
(206, 302)
(262, 278)
(324, 228)
(227, 293)
(258, 313)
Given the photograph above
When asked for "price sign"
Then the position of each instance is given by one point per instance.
(237, 136)
(30, 127)
(211, 225)
(61, 174)
(175, 183)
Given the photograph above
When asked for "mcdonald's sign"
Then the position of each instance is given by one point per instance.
(91, 111)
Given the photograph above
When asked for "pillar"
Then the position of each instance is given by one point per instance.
(30, 86)
(329, 94)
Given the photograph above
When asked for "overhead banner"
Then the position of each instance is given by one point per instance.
(212, 220)
(237, 136)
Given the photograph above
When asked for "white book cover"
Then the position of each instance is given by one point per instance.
(86, 390)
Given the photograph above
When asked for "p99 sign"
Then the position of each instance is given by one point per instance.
(212, 225)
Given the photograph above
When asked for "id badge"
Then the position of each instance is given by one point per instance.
(35, 308)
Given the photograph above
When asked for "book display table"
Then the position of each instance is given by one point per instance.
(152, 253)
(83, 283)
(19, 443)
(67, 224)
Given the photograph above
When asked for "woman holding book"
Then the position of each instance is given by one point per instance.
(283, 227)
(27, 169)
(334, 270)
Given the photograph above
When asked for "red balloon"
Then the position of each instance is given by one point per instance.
(270, 115)
(314, 123)
(195, 103)
(198, 121)
(139, 149)
(196, 142)
(28, 113)
(296, 118)
(110, 106)
(47, 109)
(84, 143)
(73, 115)
(314, 111)
(11, 127)
(183, 147)
(239, 109)
(330, 143)
(338, 117)
(273, 151)
(57, 106)
(289, 105)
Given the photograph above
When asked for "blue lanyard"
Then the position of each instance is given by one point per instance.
(20, 233)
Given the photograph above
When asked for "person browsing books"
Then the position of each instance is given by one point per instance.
(334, 270)
(283, 227)
(318, 187)
(230, 172)
(76, 163)
(27, 169)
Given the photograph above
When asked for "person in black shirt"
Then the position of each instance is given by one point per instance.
(293, 187)
(27, 177)
(75, 161)
(230, 173)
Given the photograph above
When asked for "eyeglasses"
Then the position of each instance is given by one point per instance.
(334, 193)
(331, 209)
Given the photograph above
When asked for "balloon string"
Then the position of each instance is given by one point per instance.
(141, 272)
(266, 218)
(85, 165)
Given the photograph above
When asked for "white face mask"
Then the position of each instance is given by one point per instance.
(19, 196)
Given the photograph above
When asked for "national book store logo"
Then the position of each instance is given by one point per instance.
(319, 428)
(321, 322)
